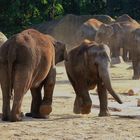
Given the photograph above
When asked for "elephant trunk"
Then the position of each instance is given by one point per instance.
(105, 76)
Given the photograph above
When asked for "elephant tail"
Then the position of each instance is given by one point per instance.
(11, 60)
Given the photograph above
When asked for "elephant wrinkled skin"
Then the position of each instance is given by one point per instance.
(87, 66)
(27, 61)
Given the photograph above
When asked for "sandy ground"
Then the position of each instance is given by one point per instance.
(64, 125)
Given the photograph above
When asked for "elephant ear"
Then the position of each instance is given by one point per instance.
(60, 51)
(105, 29)
(136, 34)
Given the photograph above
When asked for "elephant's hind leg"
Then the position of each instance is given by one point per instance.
(5, 93)
(83, 101)
(21, 85)
(102, 92)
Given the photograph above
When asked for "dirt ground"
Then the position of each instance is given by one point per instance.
(63, 124)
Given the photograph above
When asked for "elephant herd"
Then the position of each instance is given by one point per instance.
(28, 59)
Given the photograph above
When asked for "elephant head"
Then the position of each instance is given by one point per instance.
(60, 52)
(88, 30)
(112, 36)
(104, 34)
(102, 60)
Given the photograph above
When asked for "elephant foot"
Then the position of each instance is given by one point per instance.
(5, 118)
(37, 116)
(29, 114)
(104, 113)
(16, 118)
(77, 110)
(45, 110)
(136, 77)
(86, 109)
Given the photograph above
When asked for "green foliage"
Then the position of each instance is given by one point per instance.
(16, 15)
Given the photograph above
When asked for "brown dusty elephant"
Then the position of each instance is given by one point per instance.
(27, 61)
(88, 30)
(87, 66)
(3, 38)
(135, 36)
(116, 35)
(60, 55)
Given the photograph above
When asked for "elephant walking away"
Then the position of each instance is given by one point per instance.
(27, 61)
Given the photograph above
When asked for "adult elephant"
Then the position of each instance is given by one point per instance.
(27, 61)
(135, 36)
(3, 38)
(60, 55)
(88, 30)
(87, 66)
(116, 35)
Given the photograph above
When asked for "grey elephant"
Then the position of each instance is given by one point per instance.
(117, 35)
(88, 30)
(87, 66)
(135, 36)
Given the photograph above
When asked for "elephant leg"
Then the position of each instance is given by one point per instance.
(5, 94)
(36, 102)
(49, 83)
(82, 93)
(135, 68)
(16, 109)
(22, 82)
(102, 92)
(78, 100)
(125, 51)
(115, 51)
(83, 101)
(77, 105)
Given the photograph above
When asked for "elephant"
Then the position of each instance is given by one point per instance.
(88, 30)
(125, 18)
(135, 36)
(27, 61)
(116, 36)
(3, 38)
(87, 66)
(60, 55)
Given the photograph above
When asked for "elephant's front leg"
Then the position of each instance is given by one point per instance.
(136, 74)
(49, 83)
(36, 102)
(77, 105)
(102, 92)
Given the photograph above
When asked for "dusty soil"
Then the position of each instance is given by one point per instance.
(64, 125)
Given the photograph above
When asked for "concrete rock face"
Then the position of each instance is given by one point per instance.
(3, 38)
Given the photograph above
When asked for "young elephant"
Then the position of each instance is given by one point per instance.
(27, 61)
(88, 66)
